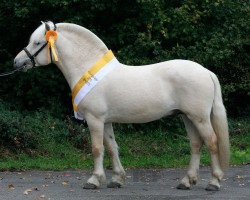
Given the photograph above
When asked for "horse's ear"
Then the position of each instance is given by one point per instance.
(47, 26)
(42, 22)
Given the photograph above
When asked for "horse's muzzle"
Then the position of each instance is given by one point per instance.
(22, 61)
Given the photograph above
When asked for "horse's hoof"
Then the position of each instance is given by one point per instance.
(90, 186)
(211, 187)
(114, 185)
(181, 186)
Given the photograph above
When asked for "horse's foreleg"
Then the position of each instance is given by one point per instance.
(96, 128)
(196, 144)
(209, 137)
(118, 177)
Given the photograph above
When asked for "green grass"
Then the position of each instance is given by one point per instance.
(143, 147)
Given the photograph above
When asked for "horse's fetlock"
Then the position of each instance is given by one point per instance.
(218, 174)
(193, 181)
(192, 177)
(118, 177)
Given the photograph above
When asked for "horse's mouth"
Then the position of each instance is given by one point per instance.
(25, 67)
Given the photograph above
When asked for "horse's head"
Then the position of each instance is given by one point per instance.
(36, 53)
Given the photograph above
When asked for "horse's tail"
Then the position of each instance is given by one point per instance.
(220, 125)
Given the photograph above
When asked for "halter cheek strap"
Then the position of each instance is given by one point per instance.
(51, 37)
(32, 57)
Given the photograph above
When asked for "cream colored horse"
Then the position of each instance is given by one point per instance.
(139, 94)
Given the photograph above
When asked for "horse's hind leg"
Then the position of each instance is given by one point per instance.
(209, 137)
(196, 143)
(118, 177)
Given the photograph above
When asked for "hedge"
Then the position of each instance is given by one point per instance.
(214, 33)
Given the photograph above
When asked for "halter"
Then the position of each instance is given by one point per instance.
(32, 57)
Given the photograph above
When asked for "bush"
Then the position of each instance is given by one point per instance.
(14, 132)
(213, 33)
(31, 131)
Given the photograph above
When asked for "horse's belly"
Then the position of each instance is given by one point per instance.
(140, 110)
(138, 117)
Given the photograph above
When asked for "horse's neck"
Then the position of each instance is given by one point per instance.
(77, 53)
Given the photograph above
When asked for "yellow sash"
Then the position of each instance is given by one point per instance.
(89, 74)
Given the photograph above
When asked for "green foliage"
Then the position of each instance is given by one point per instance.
(138, 146)
(213, 33)
(29, 131)
(14, 131)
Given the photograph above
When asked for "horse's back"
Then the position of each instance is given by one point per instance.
(179, 67)
(171, 67)
(174, 73)
(184, 85)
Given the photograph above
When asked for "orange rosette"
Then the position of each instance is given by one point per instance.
(51, 37)
(51, 34)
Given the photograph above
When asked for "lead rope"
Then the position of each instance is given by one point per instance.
(11, 72)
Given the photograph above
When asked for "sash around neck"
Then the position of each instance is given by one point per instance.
(90, 78)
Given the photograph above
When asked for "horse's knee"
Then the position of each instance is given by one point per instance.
(97, 151)
(110, 151)
(111, 146)
(196, 147)
(218, 174)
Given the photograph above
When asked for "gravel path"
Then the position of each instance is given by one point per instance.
(152, 184)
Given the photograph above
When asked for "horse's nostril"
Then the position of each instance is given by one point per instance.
(15, 62)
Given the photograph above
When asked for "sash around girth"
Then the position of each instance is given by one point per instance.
(91, 78)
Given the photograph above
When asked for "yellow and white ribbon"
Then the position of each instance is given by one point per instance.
(51, 37)
(90, 79)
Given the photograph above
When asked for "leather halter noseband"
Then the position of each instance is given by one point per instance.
(32, 57)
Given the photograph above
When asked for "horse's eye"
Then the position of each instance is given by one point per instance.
(37, 43)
